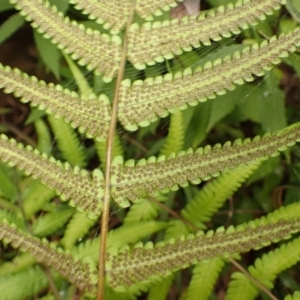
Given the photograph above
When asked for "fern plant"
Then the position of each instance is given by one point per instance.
(146, 67)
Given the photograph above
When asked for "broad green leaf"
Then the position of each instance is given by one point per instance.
(11, 25)
(293, 6)
(5, 5)
(49, 53)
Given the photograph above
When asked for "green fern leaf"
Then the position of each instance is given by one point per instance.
(74, 184)
(76, 229)
(176, 229)
(68, 142)
(35, 197)
(44, 138)
(49, 223)
(266, 269)
(143, 102)
(240, 284)
(145, 262)
(97, 51)
(200, 209)
(124, 235)
(160, 290)
(295, 296)
(154, 42)
(137, 180)
(8, 187)
(204, 277)
(13, 287)
(94, 112)
(12, 218)
(132, 233)
(175, 139)
(141, 211)
(20, 263)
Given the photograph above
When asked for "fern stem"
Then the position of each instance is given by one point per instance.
(109, 149)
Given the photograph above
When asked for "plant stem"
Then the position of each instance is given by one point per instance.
(107, 185)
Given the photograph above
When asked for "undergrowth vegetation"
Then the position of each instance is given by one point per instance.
(116, 192)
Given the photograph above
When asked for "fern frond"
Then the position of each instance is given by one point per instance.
(136, 180)
(113, 14)
(13, 287)
(176, 229)
(124, 235)
(160, 290)
(49, 223)
(295, 296)
(267, 269)
(8, 187)
(76, 271)
(12, 217)
(211, 197)
(145, 101)
(21, 262)
(35, 197)
(175, 139)
(141, 211)
(133, 232)
(74, 184)
(90, 116)
(204, 278)
(68, 142)
(129, 267)
(97, 51)
(77, 228)
(154, 42)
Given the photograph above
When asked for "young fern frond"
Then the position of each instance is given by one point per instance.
(51, 222)
(265, 270)
(117, 238)
(175, 139)
(135, 180)
(295, 296)
(19, 263)
(83, 274)
(75, 184)
(34, 277)
(209, 199)
(94, 112)
(161, 289)
(76, 229)
(204, 277)
(155, 42)
(141, 211)
(142, 102)
(99, 52)
(35, 198)
(68, 142)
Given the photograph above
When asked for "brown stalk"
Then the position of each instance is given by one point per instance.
(107, 185)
